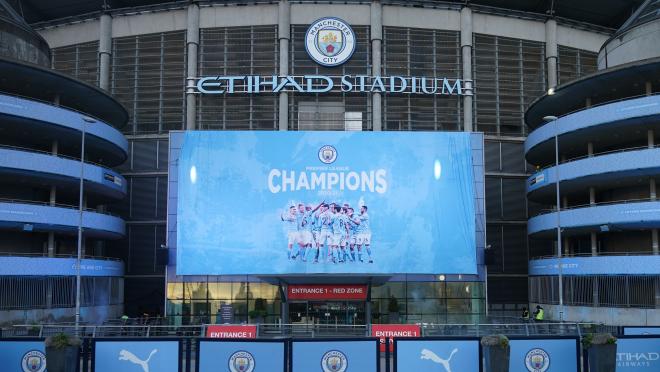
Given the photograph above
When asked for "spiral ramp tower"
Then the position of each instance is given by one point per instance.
(606, 127)
(43, 116)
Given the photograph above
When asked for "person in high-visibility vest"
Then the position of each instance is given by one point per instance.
(538, 314)
(525, 314)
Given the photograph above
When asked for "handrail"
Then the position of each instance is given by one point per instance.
(596, 154)
(625, 201)
(48, 204)
(597, 105)
(44, 102)
(599, 254)
(77, 159)
(91, 257)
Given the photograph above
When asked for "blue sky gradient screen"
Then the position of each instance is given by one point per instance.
(236, 190)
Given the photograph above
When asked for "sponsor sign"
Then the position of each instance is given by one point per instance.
(136, 355)
(641, 331)
(437, 355)
(231, 331)
(327, 292)
(339, 355)
(391, 331)
(325, 202)
(542, 355)
(638, 353)
(247, 356)
(22, 356)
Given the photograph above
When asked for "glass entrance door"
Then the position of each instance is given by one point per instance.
(337, 312)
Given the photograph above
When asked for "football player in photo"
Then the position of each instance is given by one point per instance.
(325, 233)
(364, 233)
(353, 224)
(290, 230)
(305, 228)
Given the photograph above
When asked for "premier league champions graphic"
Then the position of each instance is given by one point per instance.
(325, 202)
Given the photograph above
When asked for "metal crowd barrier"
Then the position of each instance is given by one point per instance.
(311, 330)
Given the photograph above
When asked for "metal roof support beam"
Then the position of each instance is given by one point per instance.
(466, 51)
(551, 52)
(192, 46)
(376, 61)
(284, 34)
(105, 50)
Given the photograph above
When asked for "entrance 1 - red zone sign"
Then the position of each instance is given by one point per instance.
(327, 292)
(231, 331)
(390, 331)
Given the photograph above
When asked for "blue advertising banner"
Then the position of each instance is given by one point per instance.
(540, 355)
(415, 355)
(335, 356)
(136, 356)
(241, 356)
(59, 266)
(641, 331)
(603, 265)
(325, 202)
(638, 354)
(22, 356)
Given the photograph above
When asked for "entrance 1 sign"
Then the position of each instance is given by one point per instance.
(231, 331)
(394, 330)
(327, 292)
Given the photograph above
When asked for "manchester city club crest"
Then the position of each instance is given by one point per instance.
(330, 41)
(327, 154)
(33, 361)
(537, 360)
(241, 361)
(334, 361)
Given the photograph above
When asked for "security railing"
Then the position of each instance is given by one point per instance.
(59, 255)
(67, 157)
(311, 330)
(59, 205)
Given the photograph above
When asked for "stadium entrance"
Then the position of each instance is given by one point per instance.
(327, 312)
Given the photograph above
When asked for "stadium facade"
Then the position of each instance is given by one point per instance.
(154, 59)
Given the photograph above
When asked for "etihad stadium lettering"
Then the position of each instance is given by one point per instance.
(251, 84)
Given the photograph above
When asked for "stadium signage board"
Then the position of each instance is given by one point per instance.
(324, 202)
(231, 331)
(256, 84)
(327, 292)
(391, 331)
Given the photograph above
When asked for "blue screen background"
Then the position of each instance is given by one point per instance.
(228, 219)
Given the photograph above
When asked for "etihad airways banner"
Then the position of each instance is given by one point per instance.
(325, 202)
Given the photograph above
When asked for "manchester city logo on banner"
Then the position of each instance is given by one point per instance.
(33, 361)
(537, 360)
(241, 361)
(334, 361)
(330, 41)
(327, 154)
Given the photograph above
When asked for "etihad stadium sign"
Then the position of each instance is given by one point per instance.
(330, 42)
(256, 84)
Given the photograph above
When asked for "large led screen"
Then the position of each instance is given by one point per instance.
(325, 202)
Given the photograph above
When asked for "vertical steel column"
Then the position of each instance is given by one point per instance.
(284, 35)
(466, 50)
(192, 45)
(105, 50)
(551, 52)
(53, 201)
(376, 61)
